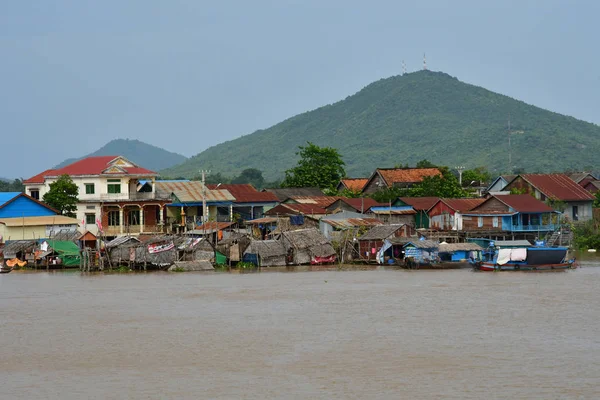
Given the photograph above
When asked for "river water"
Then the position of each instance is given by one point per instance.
(377, 334)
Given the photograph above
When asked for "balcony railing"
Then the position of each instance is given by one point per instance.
(138, 196)
(533, 228)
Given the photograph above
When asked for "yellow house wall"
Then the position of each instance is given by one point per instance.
(22, 233)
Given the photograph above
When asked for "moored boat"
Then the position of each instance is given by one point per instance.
(507, 256)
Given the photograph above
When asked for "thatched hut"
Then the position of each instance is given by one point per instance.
(158, 251)
(266, 253)
(20, 249)
(308, 246)
(234, 246)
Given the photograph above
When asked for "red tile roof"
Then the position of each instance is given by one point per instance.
(558, 186)
(462, 205)
(523, 203)
(406, 175)
(39, 178)
(355, 184)
(214, 225)
(246, 193)
(91, 166)
(420, 203)
(295, 208)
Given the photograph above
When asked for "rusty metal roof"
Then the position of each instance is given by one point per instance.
(524, 203)
(406, 175)
(558, 186)
(246, 193)
(359, 203)
(264, 220)
(191, 191)
(321, 201)
(352, 222)
(462, 205)
(420, 203)
(295, 208)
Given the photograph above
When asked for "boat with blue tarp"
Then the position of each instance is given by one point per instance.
(521, 255)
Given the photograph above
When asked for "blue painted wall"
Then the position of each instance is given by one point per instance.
(24, 207)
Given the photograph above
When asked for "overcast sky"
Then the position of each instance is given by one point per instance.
(185, 75)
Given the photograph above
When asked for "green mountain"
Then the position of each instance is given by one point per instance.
(404, 119)
(143, 154)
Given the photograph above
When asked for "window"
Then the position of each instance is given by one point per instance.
(90, 219)
(575, 213)
(479, 222)
(113, 218)
(133, 217)
(114, 186)
(89, 188)
(495, 222)
(35, 194)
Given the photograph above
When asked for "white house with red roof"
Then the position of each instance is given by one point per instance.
(108, 195)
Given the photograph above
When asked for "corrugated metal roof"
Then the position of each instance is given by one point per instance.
(264, 220)
(295, 208)
(420, 203)
(246, 193)
(359, 204)
(213, 225)
(285, 193)
(512, 243)
(191, 191)
(558, 186)
(462, 205)
(394, 210)
(524, 203)
(352, 222)
(38, 221)
(406, 175)
(381, 232)
(450, 247)
(321, 201)
(423, 244)
(5, 197)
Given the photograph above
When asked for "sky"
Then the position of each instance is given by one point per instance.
(188, 74)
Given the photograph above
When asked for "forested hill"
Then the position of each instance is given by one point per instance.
(143, 154)
(404, 119)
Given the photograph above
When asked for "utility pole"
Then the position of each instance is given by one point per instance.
(204, 213)
(460, 170)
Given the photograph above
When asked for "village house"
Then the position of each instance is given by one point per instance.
(573, 200)
(360, 205)
(393, 214)
(24, 218)
(582, 178)
(421, 205)
(370, 243)
(283, 194)
(108, 195)
(446, 214)
(511, 213)
(385, 178)
(499, 184)
(345, 221)
(249, 203)
(185, 210)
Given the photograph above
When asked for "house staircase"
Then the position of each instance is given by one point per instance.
(561, 237)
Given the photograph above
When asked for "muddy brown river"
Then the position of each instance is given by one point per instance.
(377, 334)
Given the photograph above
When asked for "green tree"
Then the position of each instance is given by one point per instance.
(476, 176)
(320, 167)
(390, 194)
(596, 200)
(63, 196)
(441, 186)
(14, 186)
(425, 163)
(252, 176)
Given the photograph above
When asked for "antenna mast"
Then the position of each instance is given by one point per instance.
(403, 67)
(509, 148)
(424, 63)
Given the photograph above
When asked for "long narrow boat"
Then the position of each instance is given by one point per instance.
(527, 259)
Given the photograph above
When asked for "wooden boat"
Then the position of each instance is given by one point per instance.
(533, 258)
